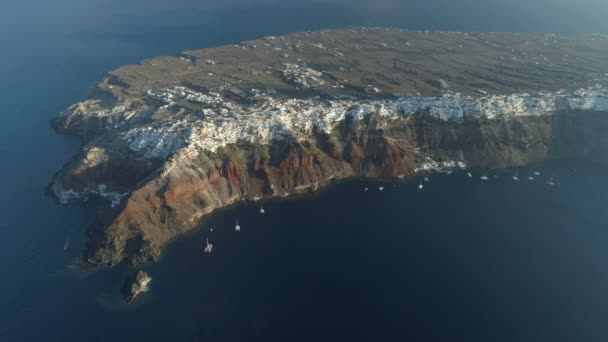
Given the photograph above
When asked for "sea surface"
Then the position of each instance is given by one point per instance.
(461, 260)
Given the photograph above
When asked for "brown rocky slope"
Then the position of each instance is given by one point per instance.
(174, 199)
(156, 199)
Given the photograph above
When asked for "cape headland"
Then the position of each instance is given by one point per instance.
(171, 139)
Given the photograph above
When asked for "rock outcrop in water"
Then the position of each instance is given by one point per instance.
(136, 286)
(174, 138)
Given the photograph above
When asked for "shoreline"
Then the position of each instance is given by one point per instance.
(175, 138)
(200, 227)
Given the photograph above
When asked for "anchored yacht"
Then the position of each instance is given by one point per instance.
(237, 227)
(470, 175)
(516, 176)
(420, 186)
(208, 247)
(262, 211)
(381, 188)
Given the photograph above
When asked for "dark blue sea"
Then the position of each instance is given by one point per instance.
(462, 260)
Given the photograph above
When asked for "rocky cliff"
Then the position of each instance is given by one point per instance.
(172, 139)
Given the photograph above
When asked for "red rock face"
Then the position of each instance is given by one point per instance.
(180, 189)
(184, 191)
(234, 173)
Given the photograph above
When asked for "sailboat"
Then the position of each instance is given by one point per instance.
(516, 176)
(262, 211)
(208, 247)
(236, 226)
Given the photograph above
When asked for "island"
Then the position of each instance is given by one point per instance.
(171, 139)
(136, 286)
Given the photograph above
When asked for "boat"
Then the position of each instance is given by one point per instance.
(66, 243)
(530, 178)
(470, 175)
(484, 177)
(208, 247)
(381, 188)
(426, 179)
(365, 189)
(550, 182)
(420, 186)
(537, 173)
(262, 211)
(516, 176)
(237, 227)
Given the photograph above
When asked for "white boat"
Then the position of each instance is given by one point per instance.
(530, 178)
(208, 247)
(537, 173)
(426, 179)
(550, 182)
(420, 186)
(484, 178)
(365, 189)
(237, 227)
(470, 175)
(516, 176)
(262, 211)
(381, 188)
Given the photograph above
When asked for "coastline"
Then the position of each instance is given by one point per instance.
(144, 154)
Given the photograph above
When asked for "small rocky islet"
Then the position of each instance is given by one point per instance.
(171, 139)
(136, 286)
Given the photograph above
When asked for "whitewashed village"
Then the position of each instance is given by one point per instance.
(275, 118)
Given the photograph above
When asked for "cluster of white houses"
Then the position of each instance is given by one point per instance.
(220, 123)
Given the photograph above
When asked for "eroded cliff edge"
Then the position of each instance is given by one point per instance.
(173, 138)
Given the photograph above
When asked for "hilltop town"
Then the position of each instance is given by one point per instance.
(273, 119)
